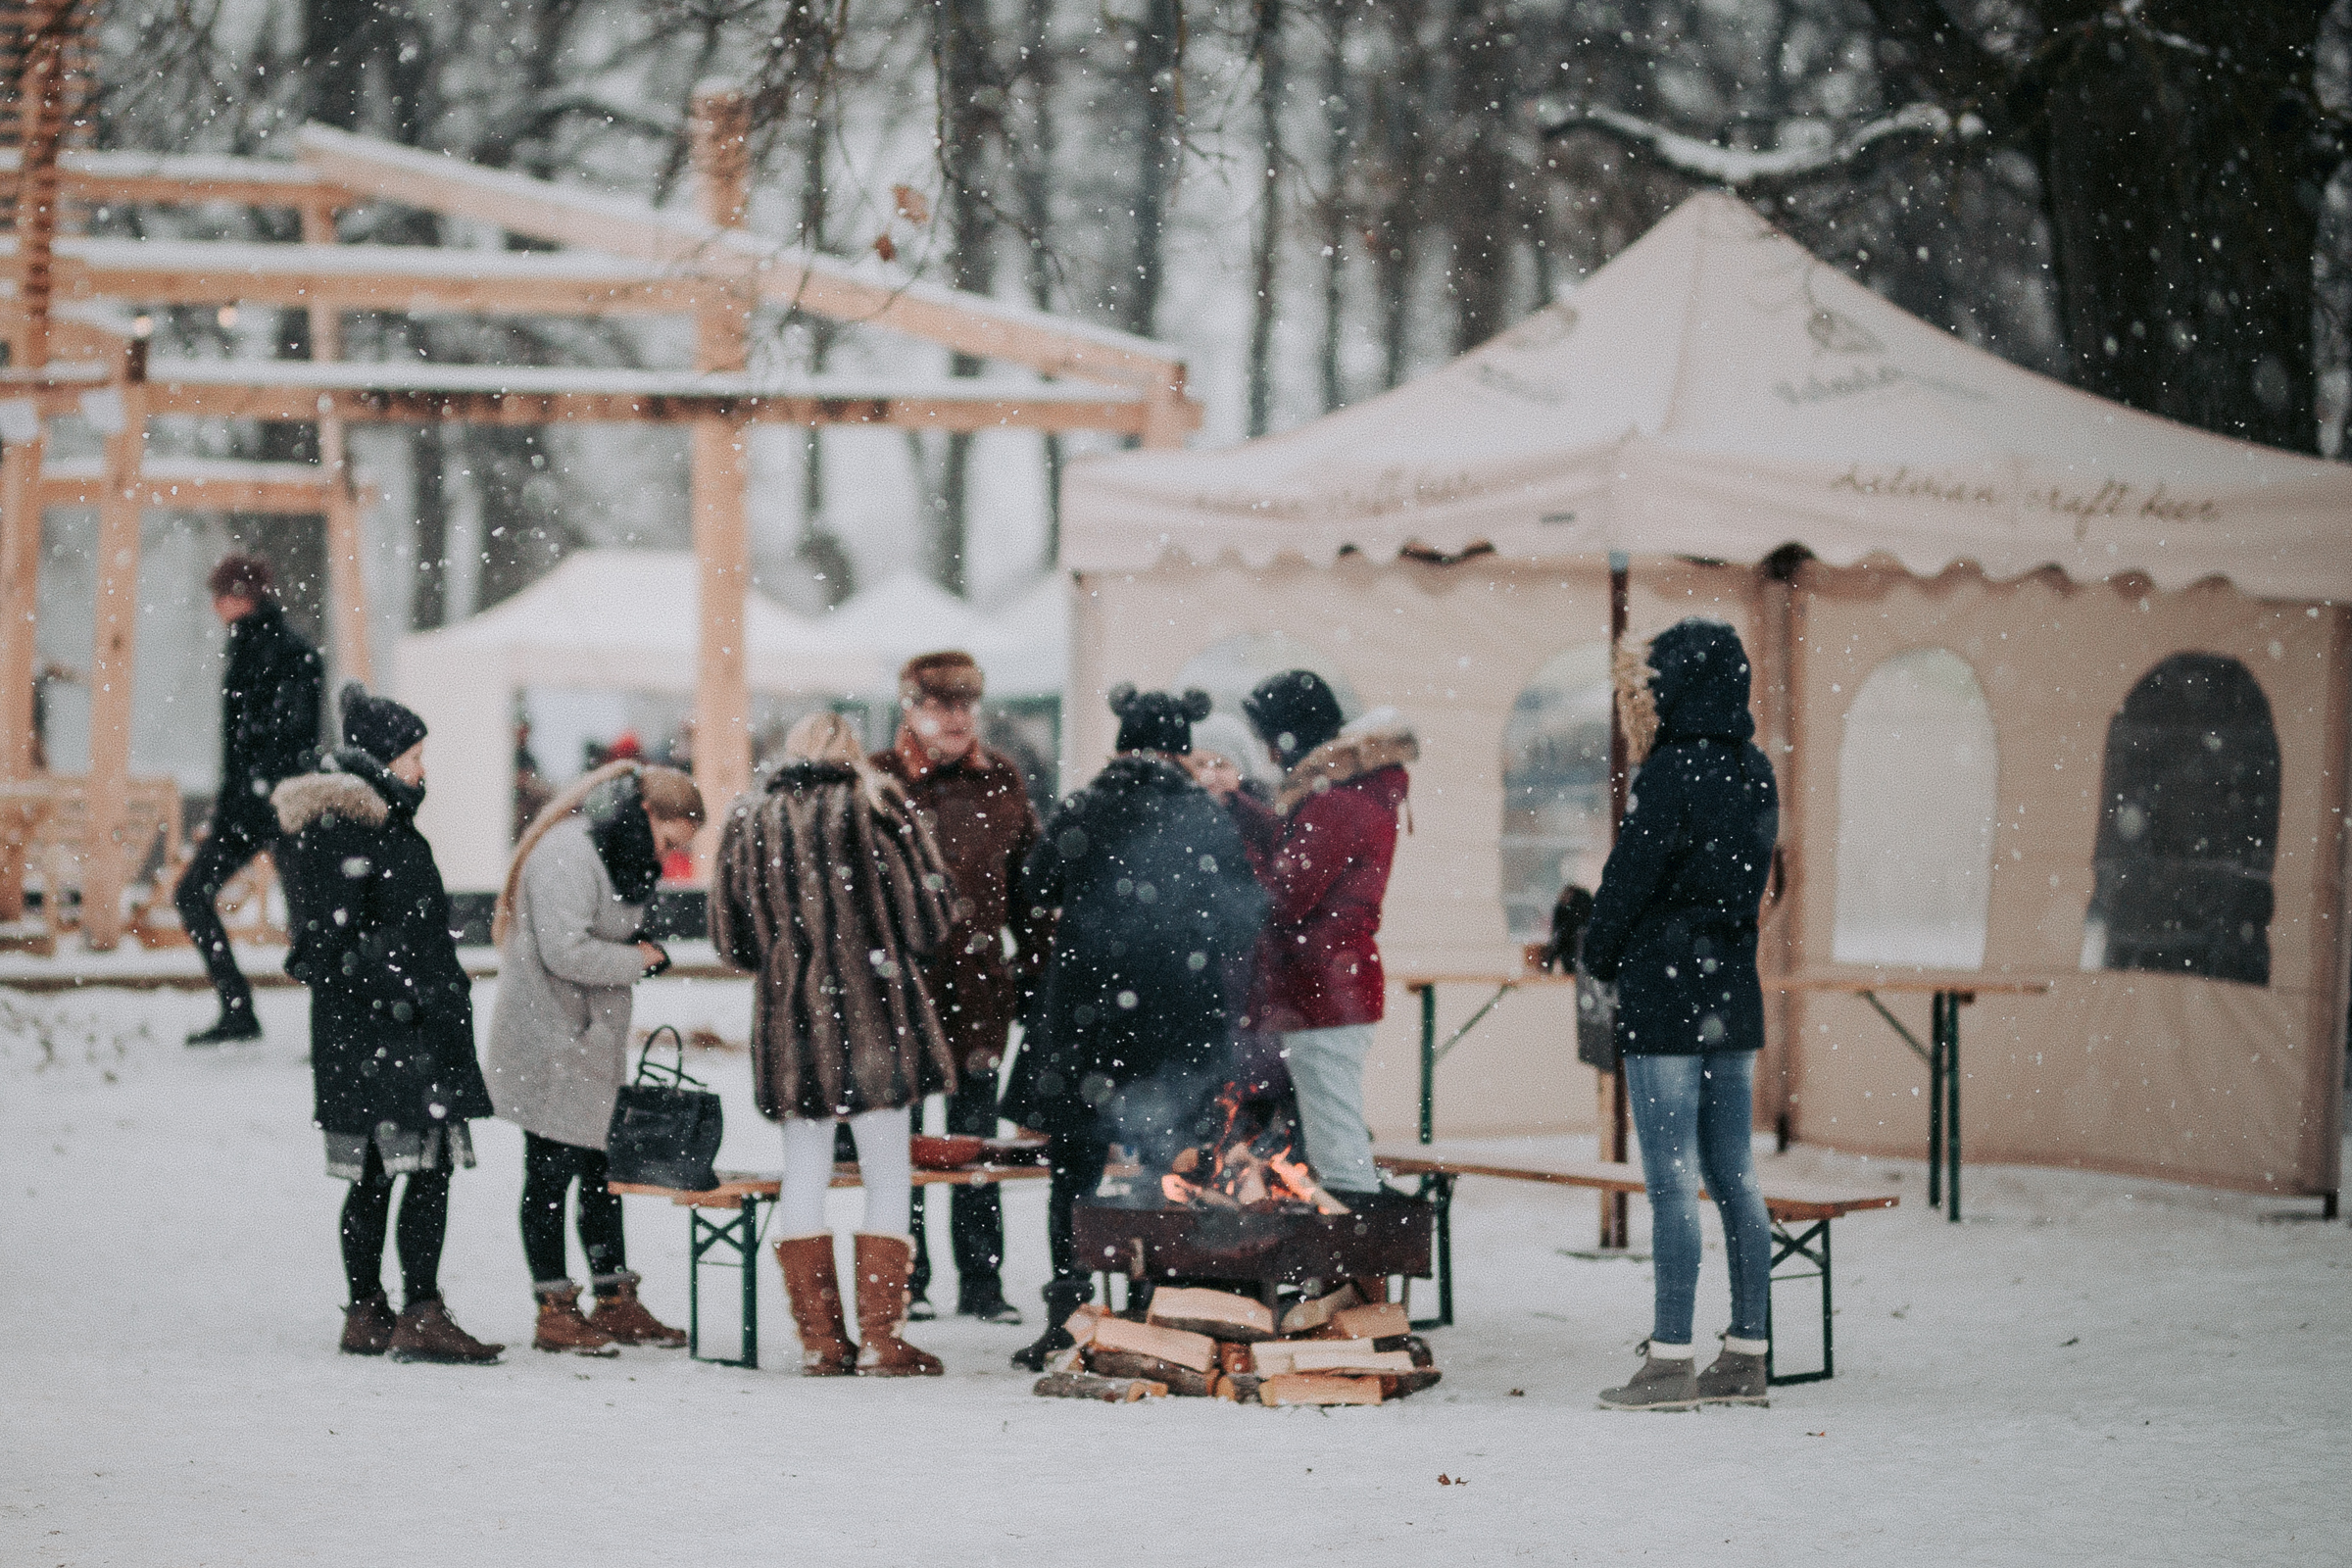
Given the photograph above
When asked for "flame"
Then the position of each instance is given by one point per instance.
(1176, 1190)
(1246, 1166)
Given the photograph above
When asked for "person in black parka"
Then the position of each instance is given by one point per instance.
(1156, 905)
(1673, 927)
(393, 1071)
(270, 699)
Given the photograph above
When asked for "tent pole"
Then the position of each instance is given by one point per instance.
(1615, 1222)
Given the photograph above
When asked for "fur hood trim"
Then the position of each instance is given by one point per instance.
(306, 798)
(1348, 756)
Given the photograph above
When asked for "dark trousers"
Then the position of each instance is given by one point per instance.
(975, 1214)
(548, 1168)
(424, 1225)
(1076, 1162)
(225, 851)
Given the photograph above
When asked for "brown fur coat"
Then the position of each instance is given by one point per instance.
(834, 900)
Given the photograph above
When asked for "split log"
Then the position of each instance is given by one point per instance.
(1316, 1313)
(1245, 1386)
(1080, 1324)
(1219, 1315)
(1418, 1348)
(1297, 1389)
(1377, 1321)
(1179, 1347)
(1182, 1380)
(1232, 1359)
(1348, 1355)
(1086, 1386)
(1396, 1385)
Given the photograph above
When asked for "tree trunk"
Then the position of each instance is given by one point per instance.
(1339, 150)
(1476, 191)
(1159, 87)
(1035, 166)
(1265, 278)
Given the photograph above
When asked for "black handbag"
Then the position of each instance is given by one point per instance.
(664, 1133)
(1595, 1022)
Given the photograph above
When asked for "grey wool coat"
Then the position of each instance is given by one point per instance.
(834, 904)
(560, 1029)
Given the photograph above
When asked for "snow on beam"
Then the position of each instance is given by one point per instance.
(865, 292)
(1734, 169)
(150, 178)
(200, 484)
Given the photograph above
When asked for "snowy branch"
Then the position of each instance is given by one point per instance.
(1911, 125)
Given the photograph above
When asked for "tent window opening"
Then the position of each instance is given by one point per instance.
(2188, 828)
(1228, 669)
(1918, 792)
(1555, 787)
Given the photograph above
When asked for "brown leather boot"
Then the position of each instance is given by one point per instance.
(426, 1332)
(368, 1326)
(561, 1328)
(624, 1318)
(815, 1295)
(883, 1263)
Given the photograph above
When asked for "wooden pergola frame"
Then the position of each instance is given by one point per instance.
(67, 356)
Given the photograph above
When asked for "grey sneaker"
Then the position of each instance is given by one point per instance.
(1660, 1385)
(1733, 1379)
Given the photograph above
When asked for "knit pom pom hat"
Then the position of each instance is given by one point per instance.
(377, 725)
(1158, 721)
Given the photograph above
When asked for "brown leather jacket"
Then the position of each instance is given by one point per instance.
(978, 809)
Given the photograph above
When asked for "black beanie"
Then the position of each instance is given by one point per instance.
(377, 725)
(1294, 712)
(1157, 722)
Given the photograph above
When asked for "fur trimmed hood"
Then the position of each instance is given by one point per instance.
(1385, 741)
(306, 798)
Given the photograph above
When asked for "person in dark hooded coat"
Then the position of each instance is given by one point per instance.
(1156, 903)
(393, 1072)
(1673, 927)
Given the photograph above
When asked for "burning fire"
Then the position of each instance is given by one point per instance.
(1246, 1166)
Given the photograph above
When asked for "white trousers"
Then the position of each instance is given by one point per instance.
(882, 1163)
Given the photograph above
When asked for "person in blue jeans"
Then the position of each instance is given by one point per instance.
(1674, 928)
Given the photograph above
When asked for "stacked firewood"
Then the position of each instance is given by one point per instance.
(1336, 1348)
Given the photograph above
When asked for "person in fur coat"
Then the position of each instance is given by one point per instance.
(830, 890)
(1323, 851)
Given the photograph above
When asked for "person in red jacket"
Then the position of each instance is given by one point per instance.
(1323, 853)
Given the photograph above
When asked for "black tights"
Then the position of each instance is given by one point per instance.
(548, 1171)
(423, 1223)
(1076, 1162)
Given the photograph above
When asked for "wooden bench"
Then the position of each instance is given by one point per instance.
(736, 1238)
(1801, 1212)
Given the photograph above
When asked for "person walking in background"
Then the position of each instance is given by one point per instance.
(977, 807)
(1155, 903)
(1673, 927)
(567, 926)
(393, 1075)
(270, 691)
(1323, 851)
(829, 890)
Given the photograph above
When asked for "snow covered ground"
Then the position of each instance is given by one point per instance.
(2090, 1370)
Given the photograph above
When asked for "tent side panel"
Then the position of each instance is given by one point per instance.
(466, 701)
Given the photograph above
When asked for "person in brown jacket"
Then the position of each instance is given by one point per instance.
(977, 806)
(828, 888)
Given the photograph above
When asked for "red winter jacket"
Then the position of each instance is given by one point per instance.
(1323, 853)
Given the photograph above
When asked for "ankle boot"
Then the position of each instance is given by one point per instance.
(882, 1263)
(426, 1331)
(367, 1325)
(1062, 1298)
(1736, 1378)
(1664, 1383)
(620, 1315)
(561, 1328)
(815, 1295)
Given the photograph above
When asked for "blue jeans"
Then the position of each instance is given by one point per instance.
(1693, 1115)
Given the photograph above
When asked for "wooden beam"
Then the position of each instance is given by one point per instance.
(722, 732)
(112, 664)
(107, 178)
(346, 577)
(20, 615)
(285, 489)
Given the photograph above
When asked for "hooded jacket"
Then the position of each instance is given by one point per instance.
(1156, 903)
(391, 1006)
(270, 697)
(1324, 852)
(834, 903)
(1674, 923)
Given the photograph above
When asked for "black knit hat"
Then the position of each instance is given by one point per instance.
(1294, 712)
(377, 725)
(1157, 722)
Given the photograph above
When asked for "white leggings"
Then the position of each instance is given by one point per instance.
(882, 1163)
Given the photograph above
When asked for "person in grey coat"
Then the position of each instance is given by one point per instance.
(569, 952)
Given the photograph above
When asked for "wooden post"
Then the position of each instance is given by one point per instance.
(112, 659)
(720, 472)
(346, 576)
(1782, 937)
(1615, 1221)
(19, 624)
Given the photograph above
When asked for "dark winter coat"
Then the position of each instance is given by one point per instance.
(834, 903)
(269, 702)
(1674, 923)
(1324, 853)
(977, 808)
(391, 1007)
(1156, 901)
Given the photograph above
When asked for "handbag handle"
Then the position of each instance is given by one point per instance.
(650, 1071)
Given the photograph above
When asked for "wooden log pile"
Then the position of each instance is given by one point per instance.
(1334, 1349)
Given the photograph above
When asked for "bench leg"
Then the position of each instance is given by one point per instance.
(1810, 1246)
(738, 1236)
(1438, 1190)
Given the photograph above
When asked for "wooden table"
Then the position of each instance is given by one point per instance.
(1948, 991)
(1425, 987)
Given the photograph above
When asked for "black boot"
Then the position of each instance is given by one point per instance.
(1062, 1298)
(236, 1024)
(982, 1296)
